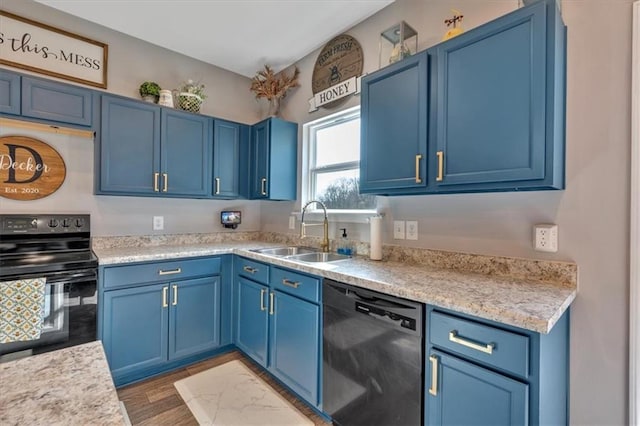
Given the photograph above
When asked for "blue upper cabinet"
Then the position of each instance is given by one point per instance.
(130, 147)
(9, 92)
(230, 153)
(393, 144)
(185, 154)
(148, 150)
(52, 101)
(499, 107)
(273, 159)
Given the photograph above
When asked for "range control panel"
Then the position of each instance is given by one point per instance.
(44, 224)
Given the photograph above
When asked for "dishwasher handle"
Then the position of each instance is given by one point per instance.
(386, 316)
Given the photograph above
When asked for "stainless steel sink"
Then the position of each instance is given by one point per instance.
(286, 251)
(318, 257)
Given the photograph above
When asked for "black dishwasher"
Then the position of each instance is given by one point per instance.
(372, 357)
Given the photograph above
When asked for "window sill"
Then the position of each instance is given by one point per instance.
(342, 216)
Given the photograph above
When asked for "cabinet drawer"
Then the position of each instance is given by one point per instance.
(251, 269)
(122, 276)
(303, 286)
(492, 346)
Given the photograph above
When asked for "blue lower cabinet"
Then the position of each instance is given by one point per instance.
(462, 393)
(134, 332)
(295, 347)
(149, 325)
(252, 319)
(194, 325)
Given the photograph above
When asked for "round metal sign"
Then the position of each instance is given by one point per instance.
(29, 168)
(339, 60)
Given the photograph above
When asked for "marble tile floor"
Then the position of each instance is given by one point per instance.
(156, 401)
(231, 394)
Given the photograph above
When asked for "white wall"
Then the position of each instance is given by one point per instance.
(592, 213)
(132, 61)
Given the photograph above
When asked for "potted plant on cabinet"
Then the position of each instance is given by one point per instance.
(190, 96)
(150, 91)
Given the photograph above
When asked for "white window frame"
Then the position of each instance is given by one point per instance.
(308, 158)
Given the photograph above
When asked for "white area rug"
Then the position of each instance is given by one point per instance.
(232, 395)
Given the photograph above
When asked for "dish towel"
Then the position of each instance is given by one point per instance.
(21, 309)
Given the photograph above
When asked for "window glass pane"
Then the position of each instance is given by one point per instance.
(339, 190)
(339, 143)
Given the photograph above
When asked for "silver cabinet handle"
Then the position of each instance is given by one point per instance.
(487, 349)
(262, 307)
(164, 297)
(433, 390)
(166, 182)
(155, 182)
(249, 269)
(294, 284)
(263, 186)
(175, 295)
(170, 271)
(271, 302)
(217, 185)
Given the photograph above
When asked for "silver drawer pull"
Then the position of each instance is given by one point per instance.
(433, 390)
(170, 272)
(294, 284)
(487, 349)
(250, 270)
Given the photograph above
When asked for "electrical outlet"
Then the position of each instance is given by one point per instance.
(158, 223)
(292, 222)
(398, 229)
(546, 237)
(412, 230)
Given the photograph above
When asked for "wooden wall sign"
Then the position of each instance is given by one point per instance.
(29, 169)
(37, 47)
(338, 61)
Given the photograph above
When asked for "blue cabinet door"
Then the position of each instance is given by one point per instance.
(49, 100)
(229, 150)
(9, 92)
(130, 147)
(134, 332)
(274, 159)
(259, 173)
(295, 344)
(466, 394)
(393, 144)
(251, 319)
(194, 317)
(185, 154)
(500, 97)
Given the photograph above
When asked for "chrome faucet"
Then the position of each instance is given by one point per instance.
(324, 246)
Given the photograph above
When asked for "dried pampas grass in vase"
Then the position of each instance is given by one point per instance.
(273, 87)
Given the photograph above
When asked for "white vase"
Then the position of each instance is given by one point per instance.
(166, 98)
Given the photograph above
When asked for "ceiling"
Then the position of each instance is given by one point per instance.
(240, 36)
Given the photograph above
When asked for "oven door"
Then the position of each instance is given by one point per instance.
(69, 313)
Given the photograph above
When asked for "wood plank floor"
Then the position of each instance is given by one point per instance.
(157, 402)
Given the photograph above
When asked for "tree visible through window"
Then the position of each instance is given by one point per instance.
(334, 163)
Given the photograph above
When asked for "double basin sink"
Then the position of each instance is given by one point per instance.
(302, 254)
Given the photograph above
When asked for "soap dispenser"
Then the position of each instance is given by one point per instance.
(344, 246)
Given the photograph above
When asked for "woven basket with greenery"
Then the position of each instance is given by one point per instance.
(189, 102)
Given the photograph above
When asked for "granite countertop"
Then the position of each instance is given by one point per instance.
(531, 304)
(70, 386)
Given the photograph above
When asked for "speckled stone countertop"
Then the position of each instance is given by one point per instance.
(525, 293)
(71, 386)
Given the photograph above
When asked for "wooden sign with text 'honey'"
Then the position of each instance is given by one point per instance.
(29, 168)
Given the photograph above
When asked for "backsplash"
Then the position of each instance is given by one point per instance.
(530, 269)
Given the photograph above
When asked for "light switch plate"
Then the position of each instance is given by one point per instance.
(398, 229)
(412, 230)
(292, 222)
(158, 223)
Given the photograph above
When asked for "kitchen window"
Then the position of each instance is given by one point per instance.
(332, 163)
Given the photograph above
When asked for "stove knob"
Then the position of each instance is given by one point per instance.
(53, 223)
(66, 223)
(79, 223)
(34, 224)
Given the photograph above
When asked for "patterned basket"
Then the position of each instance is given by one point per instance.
(189, 102)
